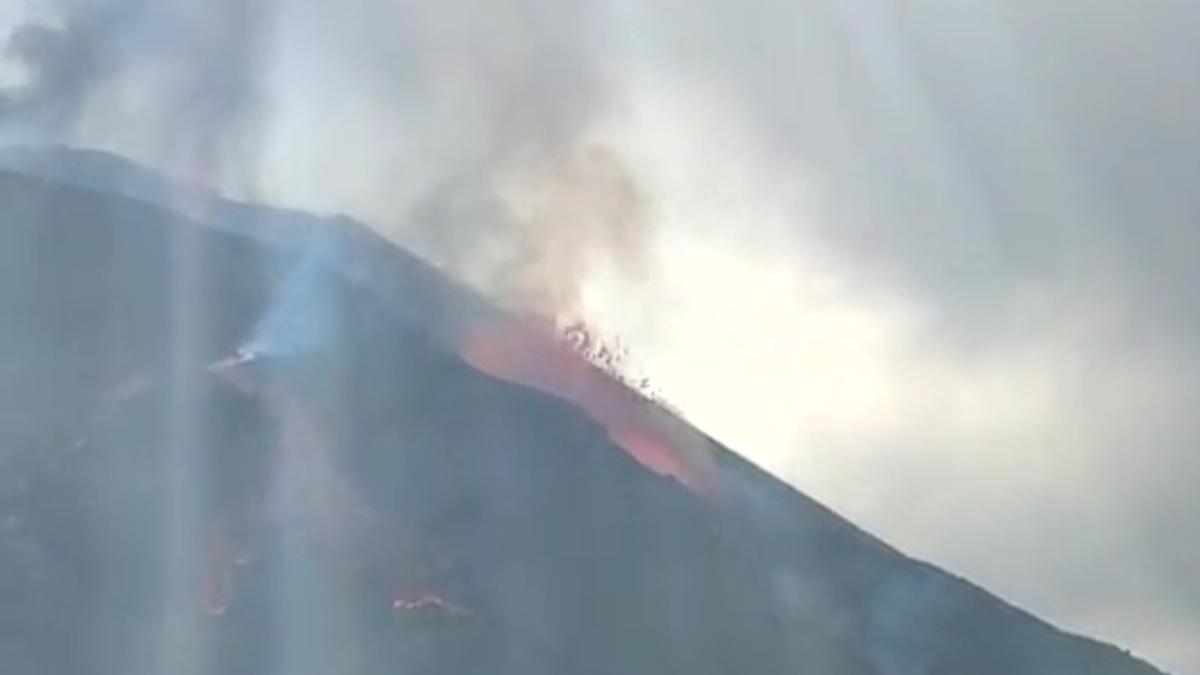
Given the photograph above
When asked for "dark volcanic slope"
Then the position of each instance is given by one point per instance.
(371, 504)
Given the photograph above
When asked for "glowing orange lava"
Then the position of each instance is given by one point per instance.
(529, 352)
(304, 485)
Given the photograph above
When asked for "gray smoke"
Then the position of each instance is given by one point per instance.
(63, 63)
(494, 103)
(173, 82)
(477, 118)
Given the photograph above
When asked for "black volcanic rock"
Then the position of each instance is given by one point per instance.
(372, 504)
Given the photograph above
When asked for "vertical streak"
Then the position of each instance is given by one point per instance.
(181, 639)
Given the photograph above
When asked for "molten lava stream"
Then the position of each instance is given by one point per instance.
(526, 352)
(304, 484)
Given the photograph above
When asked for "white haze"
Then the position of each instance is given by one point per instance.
(932, 262)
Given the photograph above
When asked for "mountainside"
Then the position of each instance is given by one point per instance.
(227, 446)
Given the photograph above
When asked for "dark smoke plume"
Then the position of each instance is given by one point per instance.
(172, 82)
(63, 63)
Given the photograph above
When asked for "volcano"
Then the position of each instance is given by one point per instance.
(245, 440)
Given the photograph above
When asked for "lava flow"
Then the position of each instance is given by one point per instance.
(529, 352)
(305, 481)
(305, 485)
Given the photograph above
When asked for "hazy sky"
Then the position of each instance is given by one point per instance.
(934, 262)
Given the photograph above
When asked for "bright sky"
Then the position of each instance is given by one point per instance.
(1006, 463)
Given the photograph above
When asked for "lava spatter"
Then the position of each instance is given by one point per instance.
(528, 352)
